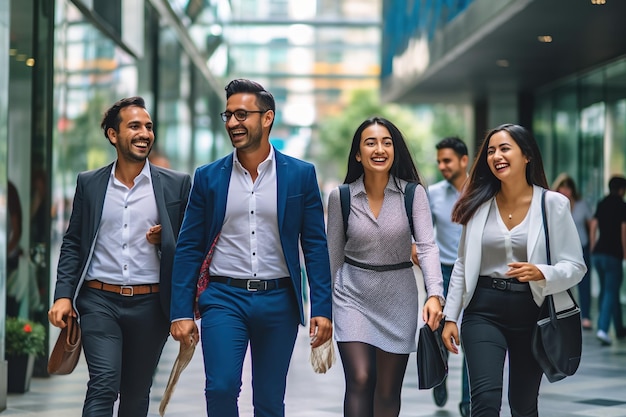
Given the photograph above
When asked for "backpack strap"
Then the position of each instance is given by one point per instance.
(344, 199)
(409, 193)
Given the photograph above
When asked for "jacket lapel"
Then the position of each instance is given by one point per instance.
(97, 194)
(282, 176)
(473, 246)
(535, 224)
(157, 186)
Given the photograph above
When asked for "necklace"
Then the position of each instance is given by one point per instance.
(510, 216)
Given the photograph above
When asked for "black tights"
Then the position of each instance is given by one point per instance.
(373, 380)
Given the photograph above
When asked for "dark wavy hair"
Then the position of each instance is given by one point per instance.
(112, 117)
(264, 99)
(402, 167)
(483, 184)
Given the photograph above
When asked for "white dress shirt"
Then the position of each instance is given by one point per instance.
(122, 254)
(249, 245)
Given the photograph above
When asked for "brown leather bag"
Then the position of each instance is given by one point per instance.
(66, 351)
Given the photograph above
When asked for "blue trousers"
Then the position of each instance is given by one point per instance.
(609, 269)
(232, 318)
(123, 338)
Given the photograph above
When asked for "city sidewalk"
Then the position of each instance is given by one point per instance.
(596, 390)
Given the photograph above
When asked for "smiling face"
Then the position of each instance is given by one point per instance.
(376, 151)
(451, 165)
(135, 135)
(505, 158)
(247, 135)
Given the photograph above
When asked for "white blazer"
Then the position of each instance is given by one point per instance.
(567, 269)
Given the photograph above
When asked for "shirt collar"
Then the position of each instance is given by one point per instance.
(144, 173)
(359, 186)
(270, 157)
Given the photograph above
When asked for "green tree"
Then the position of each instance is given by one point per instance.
(335, 134)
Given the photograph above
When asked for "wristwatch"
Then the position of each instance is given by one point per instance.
(442, 300)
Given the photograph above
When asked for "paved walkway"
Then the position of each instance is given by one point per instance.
(598, 389)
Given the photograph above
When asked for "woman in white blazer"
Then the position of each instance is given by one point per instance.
(501, 275)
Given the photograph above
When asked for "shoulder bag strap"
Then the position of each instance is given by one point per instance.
(344, 199)
(409, 192)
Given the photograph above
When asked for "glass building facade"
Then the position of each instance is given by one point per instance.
(558, 68)
(62, 63)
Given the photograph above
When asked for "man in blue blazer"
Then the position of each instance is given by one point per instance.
(259, 206)
(115, 266)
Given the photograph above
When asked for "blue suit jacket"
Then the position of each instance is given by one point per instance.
(171, 191)
(300, 217)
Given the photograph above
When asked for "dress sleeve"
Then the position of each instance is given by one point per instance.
(427, 250)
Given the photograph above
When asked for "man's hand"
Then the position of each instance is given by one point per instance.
(321, 329)
(60, 309)
(185, 331)
(154, 234)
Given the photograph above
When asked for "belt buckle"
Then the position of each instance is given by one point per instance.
(499, 284)
(127, 290)
(250, 281)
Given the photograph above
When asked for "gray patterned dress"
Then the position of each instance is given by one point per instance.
(380, 308)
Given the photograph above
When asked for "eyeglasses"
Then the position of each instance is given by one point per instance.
(240, 115)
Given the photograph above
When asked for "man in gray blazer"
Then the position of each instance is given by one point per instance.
(115, 267)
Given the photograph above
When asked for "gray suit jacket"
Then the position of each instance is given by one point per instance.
(171, 191)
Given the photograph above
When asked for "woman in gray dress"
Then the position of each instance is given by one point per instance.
(375, 301)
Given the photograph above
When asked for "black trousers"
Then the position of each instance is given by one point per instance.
(496, 323)
(123, 338)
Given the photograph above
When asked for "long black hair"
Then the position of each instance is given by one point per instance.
(402, 167)
(483, 184)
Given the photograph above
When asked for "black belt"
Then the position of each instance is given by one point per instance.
(378, 268)
(503, 284)
(252, 284)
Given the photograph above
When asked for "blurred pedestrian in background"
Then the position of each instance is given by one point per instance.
(375, 294)
(501, 275)
(452, 161)
(607, 252)
(582, 215)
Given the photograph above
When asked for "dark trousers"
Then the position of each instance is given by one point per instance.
(232, 318)
(611, 275)
(584, 287)
(496, 323)
(123, 338)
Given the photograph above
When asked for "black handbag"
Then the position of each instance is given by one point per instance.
(557, 338)
(432, 362)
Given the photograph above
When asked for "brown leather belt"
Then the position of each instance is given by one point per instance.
(125, 290)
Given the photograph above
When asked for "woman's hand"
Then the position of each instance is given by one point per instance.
(524, 272)
(450, 336)
(432, 312)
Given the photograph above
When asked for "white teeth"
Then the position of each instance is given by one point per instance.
(379, 159)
